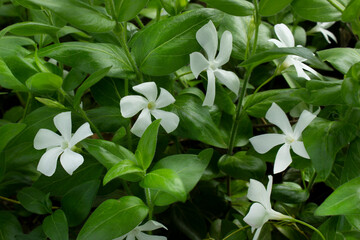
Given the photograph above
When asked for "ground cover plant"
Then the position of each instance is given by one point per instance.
(177, 119)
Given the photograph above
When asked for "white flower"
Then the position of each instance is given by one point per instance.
(290, 138)
(321, 27)
(208, 39)
(287, 40)
(64, 144)
(131, 105)
(261, 212)
(138, 232)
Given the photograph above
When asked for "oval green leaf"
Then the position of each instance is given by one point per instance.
(316, 10)
(233, 7)
(272, 7)
(55, 226)
(44, 82)
(35, 200)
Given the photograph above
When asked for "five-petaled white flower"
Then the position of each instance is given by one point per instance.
(322, 28)
(138, 232)
(64, 144)
(149, 105)
(261, 212)
(290, 138)
(208, 39)
(287, 40)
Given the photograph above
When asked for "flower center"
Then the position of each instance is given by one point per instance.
(64, 145)
(151, 105)
(213, 65)
(289, 139)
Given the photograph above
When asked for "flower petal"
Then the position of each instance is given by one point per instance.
(62, 122)
(143, 121)
(257, 233)
(47, 163)
(299, 70)
(83, 132)
(208, 39)
(225, 49)
(269, 186)
(143, 236)
(47, 139)
(165, 98)
(71, 161)
(258, 193)
(151, 225)
(169, 120)
(327, 34)
(210, 90)
(131, 105)
(305, 119)
(229, 79)
(283, 158)
(198, 63)
(121, 237)
(263, 143)
(148, 89)
(285, 35)
(299, 148)
(277, 43)
(130, 236)
(309, 69)
(277, 116)
(257, 216)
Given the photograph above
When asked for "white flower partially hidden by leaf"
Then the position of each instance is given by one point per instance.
(137, 233)
(290, 138)
(261, 212)
(287, 40)
(322, 28)
(208, 39)
(149, 105)
(63, 145)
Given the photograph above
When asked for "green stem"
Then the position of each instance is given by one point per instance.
(337, 5)
(265, 82)
(17, 202)
(307, 225)
(149, 202)
(27, 106)
(235, 232)
(311, 182)
(257, 24)
(139, 22)
(158, 14)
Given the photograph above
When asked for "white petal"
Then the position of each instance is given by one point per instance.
(327, 34)
(210, 90)
(143, 121)
(169, 120)
(299, 148)
(305, 119)
(257, 233)
(229, 79)
(277, 43)
(263, 143)
(307, 68)
(257, 216)
(47, 139)
(83, 132)
(131, 105)
(143, 236)
(165, 98)
(48, 160)
(198, 63)
(130, 236)
(71, 160)
(299, 70)
(62, 122)
(225, 49)
(269, 186)
(148, 89)
(208, 39)
(151, 225)
(121, 237)
(258, 193)
(285, 35)
(283, 158)
(277, 116)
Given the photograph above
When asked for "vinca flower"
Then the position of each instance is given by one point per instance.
(63, 145)
(149, 105)
(260, 212)
(289, 138)
(208, 39)
(137, 233)
(287, 40)
(322, 28)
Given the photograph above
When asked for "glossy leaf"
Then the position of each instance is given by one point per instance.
(122, 168)
(324, 93)
(8, 132)
(51, 103)
(9, 226)
(35, 200)
(114, 218)
(316, 10)
(233, 7)
(174, 7)
(128, 9)
(272, 7)
(44, 82)
(289, 192)
(55, 226)
(352, 162)
(107, 119)
(341, 58)
(8, 80)
(29, 29)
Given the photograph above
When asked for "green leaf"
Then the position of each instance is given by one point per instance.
(322, 140)
(351, 12)
(147, 145)
(352, 162)
(107, 119)
(9, 226)
(8, 80)
(8, 132)
(55, 226)
(35, 200)
(233, 7)
(242, 166)
(341, 58)
(50, 103)
(106, 152)
(174, 7)
(29, 29)
(324, 93)
(90, 81)
(161, 54)
(122, 169)
(90, 57)
(77, 203)
(108, 92)
(316, 10)
(272, 7)
(44, 82)
(76, 13)
(289, 192)
(166, 180)
(114, 218)
(345, 200)
(127, 9)
(350, 89)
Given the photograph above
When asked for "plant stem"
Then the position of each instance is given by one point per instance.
(235, 232)
(28, 103)
(139, 22)
(17, 202)
(149, 202)
(257, 24)
(311, 182)
(265, 82)
(307, 225)
(337, 5)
